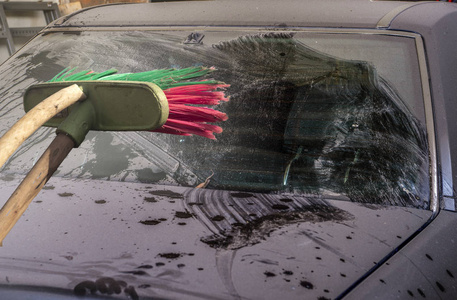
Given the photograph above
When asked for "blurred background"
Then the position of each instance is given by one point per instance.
(21, 20)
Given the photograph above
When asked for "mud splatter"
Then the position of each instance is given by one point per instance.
(65, 194)
(247, 223)
(150, 199)
(166, 193)
(136, 272)
(145, 267)
(257, 230)
(421, 293)
(82, 288)
(104, 285)
(170, 255)
(306, 284)
(150, 222)
(440, 286)
(109, 285)
(269, 274)
(130, 291)
(267, 262)
(183, 214)
(218, 218)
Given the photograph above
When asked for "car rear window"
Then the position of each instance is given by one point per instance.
(319, 113)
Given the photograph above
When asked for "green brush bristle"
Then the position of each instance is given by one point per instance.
(171, 85)
(164, 78)
(97, 76)
(83, 75)
(60, 77)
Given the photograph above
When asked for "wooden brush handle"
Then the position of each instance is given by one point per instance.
(35, 118)
(33, 182)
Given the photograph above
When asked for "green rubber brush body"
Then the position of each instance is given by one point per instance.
(110, 106)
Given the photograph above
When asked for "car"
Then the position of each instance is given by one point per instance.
(332, 176)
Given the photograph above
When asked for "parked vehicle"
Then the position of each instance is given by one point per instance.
(333, 176)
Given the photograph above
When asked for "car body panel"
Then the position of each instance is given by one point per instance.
(425, 268)
(173, 242)
(290, 13)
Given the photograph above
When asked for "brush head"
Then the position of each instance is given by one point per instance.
(185, 96)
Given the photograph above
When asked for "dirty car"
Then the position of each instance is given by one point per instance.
(332, 177)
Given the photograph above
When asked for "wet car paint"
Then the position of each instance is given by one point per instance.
(424, 269)
(175, 242)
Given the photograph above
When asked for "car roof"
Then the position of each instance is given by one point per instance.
(287, 13)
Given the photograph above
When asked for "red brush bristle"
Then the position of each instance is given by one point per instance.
(196, 94)
(212, 128)
(187, 128)
(195, 114)
(190, 119)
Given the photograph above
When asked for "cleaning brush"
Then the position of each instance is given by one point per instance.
(182, 92)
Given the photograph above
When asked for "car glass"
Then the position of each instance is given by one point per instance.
(309, 113)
